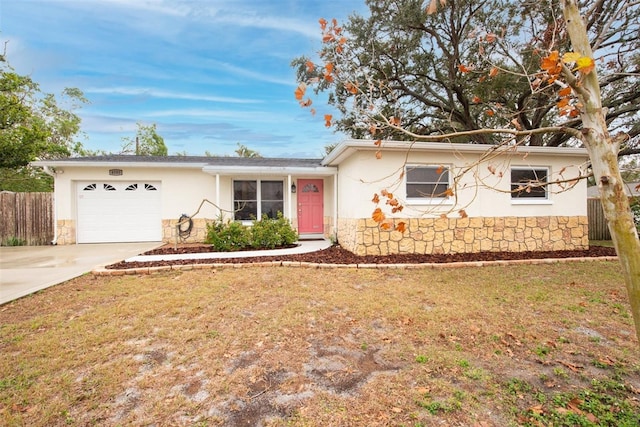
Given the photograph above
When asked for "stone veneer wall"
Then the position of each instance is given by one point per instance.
(66, 229)
(457, 235)
(198, 231)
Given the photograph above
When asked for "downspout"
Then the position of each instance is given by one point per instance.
(51, 172)
(335, 206)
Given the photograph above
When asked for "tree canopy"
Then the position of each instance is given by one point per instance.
(147, 142)
(471, 66)
(33, 125)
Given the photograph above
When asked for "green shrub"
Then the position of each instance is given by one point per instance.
(635, 210)
(267, 233)
(14, 241)
(270, 233)
(228, 236)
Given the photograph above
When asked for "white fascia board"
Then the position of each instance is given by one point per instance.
(92, 164)
(347, 148)
(269, 170)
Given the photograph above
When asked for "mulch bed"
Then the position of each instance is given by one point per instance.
(337, 255)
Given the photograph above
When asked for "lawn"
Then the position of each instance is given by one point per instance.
(278, 346)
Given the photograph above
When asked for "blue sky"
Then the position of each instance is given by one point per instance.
(209, 73)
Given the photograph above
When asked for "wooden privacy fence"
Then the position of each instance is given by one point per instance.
(26, 218)
(598, 228)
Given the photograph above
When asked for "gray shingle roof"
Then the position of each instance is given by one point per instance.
(213, 161)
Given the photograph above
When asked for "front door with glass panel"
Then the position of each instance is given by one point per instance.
(310, 206)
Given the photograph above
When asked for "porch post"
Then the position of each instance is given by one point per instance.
(289, 201)
(218, 192)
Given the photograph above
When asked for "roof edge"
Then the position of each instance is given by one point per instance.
(348, 147)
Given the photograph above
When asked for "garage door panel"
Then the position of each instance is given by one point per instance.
(119, 212)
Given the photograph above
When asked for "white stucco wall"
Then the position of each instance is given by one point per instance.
(479, 192)
(182, 189)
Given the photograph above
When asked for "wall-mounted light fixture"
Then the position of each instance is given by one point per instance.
(294, 188)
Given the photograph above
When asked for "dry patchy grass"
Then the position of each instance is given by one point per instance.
(277, 346)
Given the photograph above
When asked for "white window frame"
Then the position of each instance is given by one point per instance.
(440, 200)
(258, 197)
(524, 200)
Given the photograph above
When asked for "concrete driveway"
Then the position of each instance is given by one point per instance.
(28, 269)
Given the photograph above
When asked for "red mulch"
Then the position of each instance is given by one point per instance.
(337, 255)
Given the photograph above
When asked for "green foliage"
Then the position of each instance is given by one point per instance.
(24, 180)
(228, 236)
(14, 241)
(244, 151)
(149, 143)
(635, 210)
(32, 124)
(269, 233)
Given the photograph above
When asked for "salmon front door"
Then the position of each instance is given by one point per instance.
(310, 206)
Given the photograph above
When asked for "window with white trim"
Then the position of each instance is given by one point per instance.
(427, 182)
(252, 199)
(529, 183)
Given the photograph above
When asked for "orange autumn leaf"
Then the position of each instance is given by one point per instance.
(323, 23)
(448, 192)
(300, 90)
(328, 77)
(378, 215)
(327, 120)
(440, 169)
(490, 113)
(327, 38)
(565, 91)
(491, 37)
(384, 193)
(563, 102)
(376, 198)
(395, 121)
(463, 213)
(397, 209)
(373, 129)
(463, 68)
(550, 63)
(378, 143)
(310, 66)
(329, 68)
(494, 72)
(401, 227)
(306, 103)
(351, 88)
(385, 226)
(574, 113)
(378, 154)
(476, 100)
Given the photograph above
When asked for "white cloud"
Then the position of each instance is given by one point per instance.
(155, 93)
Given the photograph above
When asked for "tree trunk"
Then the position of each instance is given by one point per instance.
(603, 152)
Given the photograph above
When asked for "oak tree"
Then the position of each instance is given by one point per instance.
(497, 72)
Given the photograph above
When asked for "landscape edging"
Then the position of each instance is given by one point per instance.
(103, 271)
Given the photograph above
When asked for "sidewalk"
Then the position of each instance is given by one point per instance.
(304, 246)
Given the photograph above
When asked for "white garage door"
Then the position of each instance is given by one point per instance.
(118, 212)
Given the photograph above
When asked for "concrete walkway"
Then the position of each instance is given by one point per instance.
(28, 269)
(304, 246)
